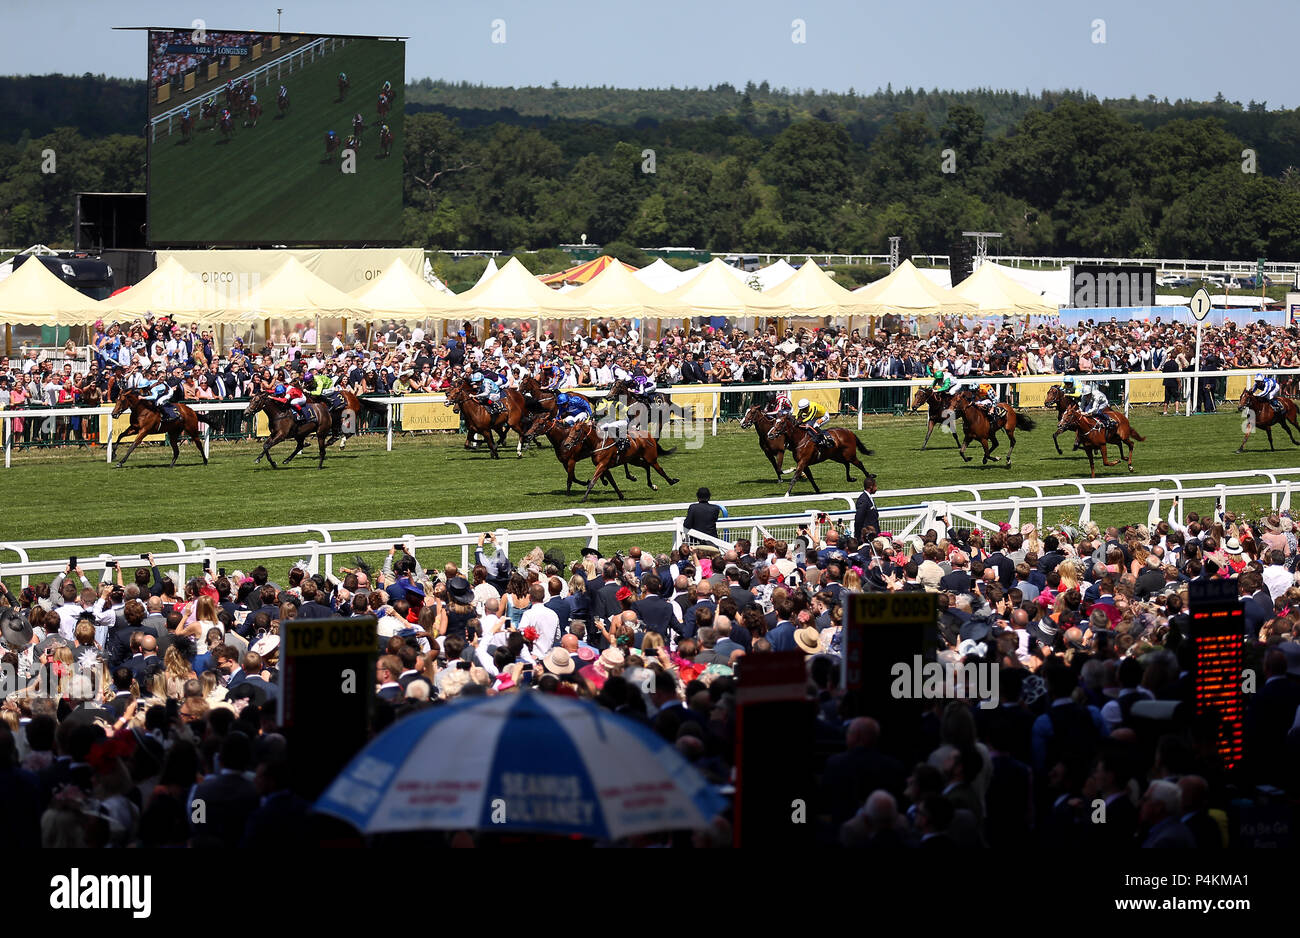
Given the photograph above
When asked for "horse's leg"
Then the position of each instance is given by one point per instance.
(776, 464)
(993, 440)
(598, 474)
(1011, 446)
(320, 439)
(131, 450)
(1105, 460)
(198, 443)
(1249, 430)
(492, 443)
(172, 436)
(808, 472)
(1130, 453)
(1055, 443)
(1092, 466)
(961, 446)
(798, 472)
(985, 444)
(302, 442)
(929, 428)
(1268, 431)
(667, 478)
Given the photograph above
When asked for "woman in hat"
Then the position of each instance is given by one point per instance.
(808, 639)
(460, 607)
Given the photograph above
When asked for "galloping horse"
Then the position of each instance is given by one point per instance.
(511, 415)
(284, 425)
(976, 425)
(146, 420)
(803, 442)
(345, 414)
(1268, 415)
(331, 144)
(557, 432)
(344, 84)
(640, 450)
(208, 111)
(626, 390)
(227, 125)
(254, 113)
(358, 125)
(537, 397)
(939, 403)
(282, 101)
(773, 448)
(1093, 437)
(386, 140)
(385, 104)
(1056, 398)
(187, 128)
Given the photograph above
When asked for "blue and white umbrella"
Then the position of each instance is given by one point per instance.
(521, 762)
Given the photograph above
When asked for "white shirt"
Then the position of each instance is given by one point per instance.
(546, 622)
(1278, 580)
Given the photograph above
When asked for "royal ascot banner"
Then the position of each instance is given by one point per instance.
(428, 415)
(1236, 384)
(1032, 395)
(344, 268)
(699, 398)
(829, 398)
(1146, 390)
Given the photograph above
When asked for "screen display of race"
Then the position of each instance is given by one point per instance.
(259, 138)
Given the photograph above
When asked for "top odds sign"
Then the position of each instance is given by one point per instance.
(881, 628)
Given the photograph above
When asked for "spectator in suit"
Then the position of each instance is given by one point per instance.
(387, 671)
(850, 776)
(1160, 818)
(1271, 714)
(281, 815)
(312, 607)
(703, 600)
(866, 518)
(702, 516)
(228, 799)
(958, 581)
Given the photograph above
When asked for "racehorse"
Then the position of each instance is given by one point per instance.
(187, 128)
(284, 425)
(977, 425)
(146, 420)
(556, 431)
(331, 144)
(282, 101)
(208, 111)
(228, 126)
(1093, 436)
(844, 449)
(639, 450)
(511, 414)
(254, 113)
(358, 124)
(1267, 415)
(939, 402)
(539, 398)
(345, 414)
(386, 140)
(773, 448)
(343, 87)
(626, 390)
(1056, 398)
(385, 104)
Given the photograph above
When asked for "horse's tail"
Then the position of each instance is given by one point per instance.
(861, 447)
(666, 452)
(1024, 421)
(373, 406)
(1133, 434)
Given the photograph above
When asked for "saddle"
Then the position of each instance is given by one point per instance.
(495, 407)
(621, 443)
(170, 413)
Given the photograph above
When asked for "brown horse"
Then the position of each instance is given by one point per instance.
(538, 398)
(146, 420)
(512, 415)
(1056, 397)
(284, 425)
(802, 441)
(641, 449)
(626, 390)
(774, 447)
(1093, 436)
(939, 402)
(345, 414)
(556, 431)
(1266, 415)
(976, 425)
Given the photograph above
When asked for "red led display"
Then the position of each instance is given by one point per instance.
(1220, 655)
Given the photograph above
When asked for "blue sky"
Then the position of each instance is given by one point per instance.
(1190, 49)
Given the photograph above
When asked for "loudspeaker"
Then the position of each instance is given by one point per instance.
(961, 256)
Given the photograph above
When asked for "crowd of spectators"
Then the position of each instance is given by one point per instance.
(133, 696)
(171, 67)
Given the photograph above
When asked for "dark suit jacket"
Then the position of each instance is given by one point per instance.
(1258, 608)
(866, 514)
(604, 605)
(850, 776)
(1149, 581)
(281, 819)
(228, 800)
(958, 581)
(657, 614)
(1006, 569)
(315, 610)
(743, 597)
(703, 517)
(688, 620)
(782, 637)
(1049, 561)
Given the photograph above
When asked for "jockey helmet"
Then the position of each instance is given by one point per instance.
(1261, 378)
(561, 398)
(252, 99)
(803, 403)
(384, 129)
(185, 113)
(280, 389)
(476, 377)
(985, 388)
(343, 75)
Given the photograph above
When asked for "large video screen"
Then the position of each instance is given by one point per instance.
(259, 138)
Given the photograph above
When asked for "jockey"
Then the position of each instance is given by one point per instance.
(387, 89)
(942, 383)
(157, 394)
(252, 99)
(185, 114)
(358, 119)
(352, 143)
(986, 398)
(283, 92)
(779, 407)
(572, 408)
(1093, 403)
(491, 386)
(384, 131)
(331, 136)
(225, 114)
(1266, 386)
(293, 396)
(343, 77)
(813, 417)
(645, 387)
(554, 377)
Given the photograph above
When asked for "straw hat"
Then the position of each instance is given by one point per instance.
(611, 658)
(558, 661)
(807, 639)
(1233, 546)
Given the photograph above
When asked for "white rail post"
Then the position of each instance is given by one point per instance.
(1285, 503)
(1085, 514)
(1153, 516)
(717, 406)
(390, 427)
(1015, 514)
(859, 407)
(8, 439)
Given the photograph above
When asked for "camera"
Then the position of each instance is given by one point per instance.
(111, 564)
(398, 547)
(72, 563)
(144, 556)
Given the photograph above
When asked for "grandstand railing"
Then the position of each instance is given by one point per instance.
(899, 403)
(920, 510)
(284, 65)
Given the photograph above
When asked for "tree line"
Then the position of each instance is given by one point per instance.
(775, 171)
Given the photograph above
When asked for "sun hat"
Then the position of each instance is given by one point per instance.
(611, 658)
(807, 639)
(459, 590)
(558, 661)
(1233, 546)
(14, 629)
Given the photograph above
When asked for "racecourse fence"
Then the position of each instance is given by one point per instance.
(41, 424)
(903, 512)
